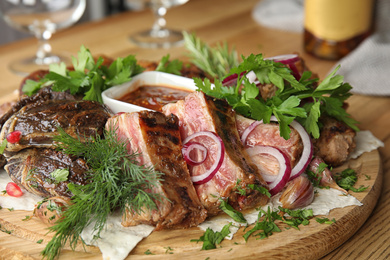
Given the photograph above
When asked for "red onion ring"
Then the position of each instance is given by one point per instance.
(275, 182)
(307, 152)
(188, 148)
(289, 60)
(209, 174)
(285, 59)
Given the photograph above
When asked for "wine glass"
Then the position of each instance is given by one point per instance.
(159, 35)
(41, 18)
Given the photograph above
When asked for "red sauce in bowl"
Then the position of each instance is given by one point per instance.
(154, 97)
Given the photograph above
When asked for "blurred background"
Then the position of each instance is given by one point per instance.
(96, 9)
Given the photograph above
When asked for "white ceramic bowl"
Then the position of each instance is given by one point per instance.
(111, 95)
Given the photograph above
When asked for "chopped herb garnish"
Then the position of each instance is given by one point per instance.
(211, 239)
(265, 225)
(325, 221)
(297, 217)
(3, 146)
(60, 175)
(234, 214)
(148, 252)
(40, 241)
(26, 218)
(168, 250)
(347, 179)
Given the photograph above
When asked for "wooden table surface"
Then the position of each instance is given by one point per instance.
(217, 21)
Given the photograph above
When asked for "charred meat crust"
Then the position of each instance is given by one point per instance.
(159, 145)
(38, 122)
(31, 170)
(224, 118)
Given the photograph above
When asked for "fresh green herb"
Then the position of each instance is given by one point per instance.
(26, 218)
(286, 105)
(40, 241)
(367, 177)
(172, 67)
(115, 182)
(60, 175)
(260, 189)
(3, 229)
(148, 252)
(234, 214)
(297, 217)
(168, 250)
(265, 225)
(10, 209)
(239, 189)
(325, 221)
(211, 239)
(89, 77)
(347, 179)
(214, 61)
(4, 192)
(3, 146)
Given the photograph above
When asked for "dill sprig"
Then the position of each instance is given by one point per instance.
(216, 61)
(115, 182)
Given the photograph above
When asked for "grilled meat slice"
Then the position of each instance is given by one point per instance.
(32, 168)
(38, 122)
(269, 135)
(199, 112)
(335, 143)
(156, 138)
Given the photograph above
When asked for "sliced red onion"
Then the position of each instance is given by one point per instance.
(188, 148)
(307, 152)
(249, 130)
(209, 174)
(289, 60)
(285, 59)
(275, 182)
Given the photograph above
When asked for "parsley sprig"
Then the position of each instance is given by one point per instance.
(116, 182)
(89, 77)
(286, 105)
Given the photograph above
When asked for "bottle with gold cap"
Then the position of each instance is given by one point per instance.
(333, 28)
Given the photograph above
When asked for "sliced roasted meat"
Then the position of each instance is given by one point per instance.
(199, 112)
(335, 143)
(32, 168)
(269, 135)
(156, 138)
(38, 122)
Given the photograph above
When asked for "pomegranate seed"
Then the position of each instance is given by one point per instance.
(14, 137)
(13, 190)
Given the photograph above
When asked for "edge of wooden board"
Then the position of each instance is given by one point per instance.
(310, 242)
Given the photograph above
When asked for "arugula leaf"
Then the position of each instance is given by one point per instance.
(234, 214)
(210, 238)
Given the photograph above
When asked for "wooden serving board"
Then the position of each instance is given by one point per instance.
(310, 242)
